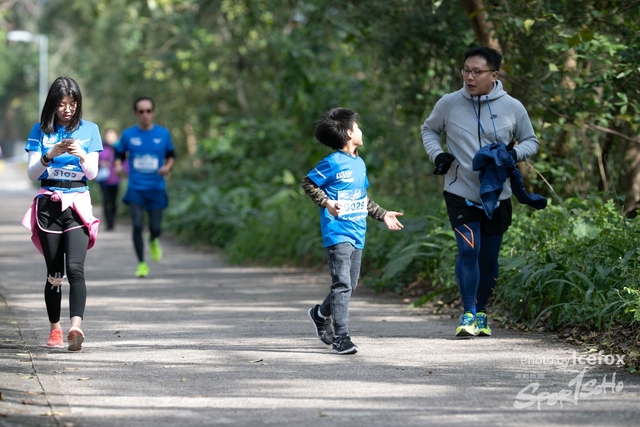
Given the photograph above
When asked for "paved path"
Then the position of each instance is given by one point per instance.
(201, 343)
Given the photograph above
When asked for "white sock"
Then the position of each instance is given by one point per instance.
(320, 314)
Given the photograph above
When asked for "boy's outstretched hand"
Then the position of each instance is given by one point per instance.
(391, 221)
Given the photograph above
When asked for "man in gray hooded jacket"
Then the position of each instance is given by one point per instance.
(479, 114)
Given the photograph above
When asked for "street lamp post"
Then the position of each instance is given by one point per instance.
(43, 42)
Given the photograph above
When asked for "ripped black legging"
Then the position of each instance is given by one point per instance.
(65, 248)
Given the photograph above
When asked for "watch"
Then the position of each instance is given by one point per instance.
(45, 158)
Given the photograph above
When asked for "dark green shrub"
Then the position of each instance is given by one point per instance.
(572, 263)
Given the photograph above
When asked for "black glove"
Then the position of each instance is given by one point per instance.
(511, 151)
(443, 163)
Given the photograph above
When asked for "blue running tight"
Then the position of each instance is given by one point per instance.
(476, 265)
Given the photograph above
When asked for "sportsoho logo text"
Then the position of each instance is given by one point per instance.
(593, 359)
(577, 389)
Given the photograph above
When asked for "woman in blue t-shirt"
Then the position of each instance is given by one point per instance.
(63, 154)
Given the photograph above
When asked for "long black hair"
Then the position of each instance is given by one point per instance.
(61, 87)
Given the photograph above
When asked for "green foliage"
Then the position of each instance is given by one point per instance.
(422, 256)
(571, 263)
(571, 63)
(245, 199)
(18, 89)
(204, 214)
(285, 232)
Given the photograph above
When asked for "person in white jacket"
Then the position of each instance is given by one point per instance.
(480, 113)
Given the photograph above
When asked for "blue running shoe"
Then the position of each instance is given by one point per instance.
(483, 327)
(468, 325)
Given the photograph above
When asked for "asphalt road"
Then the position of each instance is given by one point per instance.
(203, 343)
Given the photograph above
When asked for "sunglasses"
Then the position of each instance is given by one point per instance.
(145, 111)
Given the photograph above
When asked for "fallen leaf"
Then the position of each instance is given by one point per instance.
(84, 379)
(27, 402)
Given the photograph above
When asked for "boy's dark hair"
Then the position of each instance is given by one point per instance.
(492, 56)
(61, 87)
(143, 98)
(332, 128)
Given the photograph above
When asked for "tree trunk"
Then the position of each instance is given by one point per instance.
(630, 181)
(481, 26)
(191, 138)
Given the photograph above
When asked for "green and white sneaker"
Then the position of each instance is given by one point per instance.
(155, 249)
(468, 325)
(483, 327)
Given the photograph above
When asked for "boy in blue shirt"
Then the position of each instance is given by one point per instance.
(338, 185)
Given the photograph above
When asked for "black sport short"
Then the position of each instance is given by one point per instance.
(461, 213)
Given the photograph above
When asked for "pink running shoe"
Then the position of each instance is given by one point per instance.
(75, 338)
(55, 339)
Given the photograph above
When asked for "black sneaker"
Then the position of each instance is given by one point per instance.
(321, 326)
(343, 345)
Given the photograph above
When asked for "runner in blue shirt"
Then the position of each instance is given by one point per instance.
(338, 185)
(63, 154)
(150, 153)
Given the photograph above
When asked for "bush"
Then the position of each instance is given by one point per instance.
(575, 263)
(419, 260)
(284, 231)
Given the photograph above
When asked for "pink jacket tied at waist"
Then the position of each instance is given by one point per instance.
(79, 202)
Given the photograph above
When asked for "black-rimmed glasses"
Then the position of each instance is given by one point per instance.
(476, 73)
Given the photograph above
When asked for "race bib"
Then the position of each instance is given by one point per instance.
(62, 174)
(353, 205)
(146, 164)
